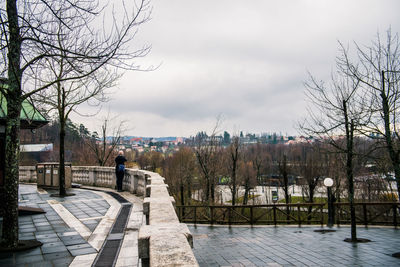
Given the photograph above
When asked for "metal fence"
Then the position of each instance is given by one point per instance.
(305, 213)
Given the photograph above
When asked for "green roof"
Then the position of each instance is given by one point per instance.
(30, 117)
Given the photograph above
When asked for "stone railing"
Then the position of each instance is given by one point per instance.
(27, 174)
(134, 180)
(164, 241)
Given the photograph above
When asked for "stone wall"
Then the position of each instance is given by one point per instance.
(164, 241)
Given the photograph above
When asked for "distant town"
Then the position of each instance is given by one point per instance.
(171, 144)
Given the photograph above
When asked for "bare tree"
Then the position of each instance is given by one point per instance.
(29, 37)
(377, 69)
(233, 153)
(261, 159)
(338, 111)
(78, 80)
(155, 160)
(103, 149)
(310, 164)
(247, 176)
(284, 181)
(179, 170)
(336, 169)
(206, 149)
(64, 97)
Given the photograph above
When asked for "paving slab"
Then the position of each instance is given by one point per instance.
(90, 215)
(293, 246)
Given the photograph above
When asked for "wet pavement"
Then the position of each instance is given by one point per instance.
(76, 230)
(293, 246)
(73, 229)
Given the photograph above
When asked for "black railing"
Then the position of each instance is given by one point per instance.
(305, 213)
(368, 213)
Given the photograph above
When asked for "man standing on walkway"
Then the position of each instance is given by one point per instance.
(120, 169)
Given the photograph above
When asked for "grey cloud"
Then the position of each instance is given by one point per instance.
(245, 60)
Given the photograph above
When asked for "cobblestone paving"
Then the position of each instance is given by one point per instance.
(293, 246)
(60, 242)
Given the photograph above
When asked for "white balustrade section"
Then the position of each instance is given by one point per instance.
(27, 174)
(134, 180)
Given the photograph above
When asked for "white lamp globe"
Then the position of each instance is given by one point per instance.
(328, 182)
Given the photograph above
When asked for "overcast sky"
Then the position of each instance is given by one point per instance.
(243, 60)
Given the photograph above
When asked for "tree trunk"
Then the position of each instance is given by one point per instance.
(62, 156)
(349, 126)
(189, 189)
(212, 190)
(11, 177)
(233, 183)
(246, 192)
(394, 155)
(337, 189)
(182, 193)
(207, 188)
(233, 192)
(310, 200)
(234, 154)
(13, 96)
(286, 186)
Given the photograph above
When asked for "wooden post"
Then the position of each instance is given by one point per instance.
(395, 215)
(321, 214)
(298, 215)
(365, 215)
(251, 215)
(212, 215)
(195, 215)
(274, 210)
(230, 215)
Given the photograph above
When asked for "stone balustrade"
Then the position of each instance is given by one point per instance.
(134, 180)
(27, 174)
(163, 241)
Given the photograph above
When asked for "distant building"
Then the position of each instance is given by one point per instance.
(136, 140)
(36, 147)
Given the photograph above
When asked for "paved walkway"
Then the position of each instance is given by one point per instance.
(293, 246)
(74, 229)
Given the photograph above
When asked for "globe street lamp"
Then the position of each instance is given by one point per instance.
(328, 182)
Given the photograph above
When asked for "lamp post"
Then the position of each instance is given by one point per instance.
(328, 182)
